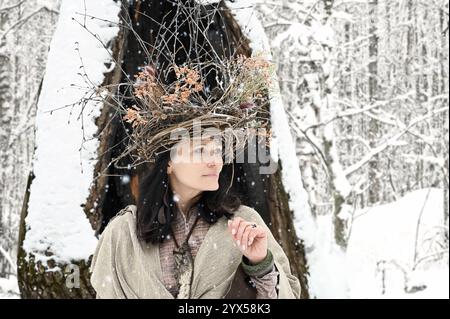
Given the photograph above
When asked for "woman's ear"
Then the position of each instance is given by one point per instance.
(169, 168)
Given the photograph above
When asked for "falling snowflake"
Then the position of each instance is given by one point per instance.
(125, 179)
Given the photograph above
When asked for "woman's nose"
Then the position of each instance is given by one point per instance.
(213, 160)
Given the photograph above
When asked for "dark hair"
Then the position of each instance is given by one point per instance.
(153, 184)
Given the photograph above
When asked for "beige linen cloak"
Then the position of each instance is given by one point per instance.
(125, 267)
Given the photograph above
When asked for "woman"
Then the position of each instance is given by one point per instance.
(187, 237)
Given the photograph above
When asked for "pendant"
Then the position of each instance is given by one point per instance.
(184, 264)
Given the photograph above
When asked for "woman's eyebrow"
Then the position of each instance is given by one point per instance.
(209, 143)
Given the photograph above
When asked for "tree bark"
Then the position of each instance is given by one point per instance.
(374, 177)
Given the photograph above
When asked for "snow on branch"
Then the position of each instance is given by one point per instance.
(391, 141)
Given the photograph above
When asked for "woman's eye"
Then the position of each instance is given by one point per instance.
(202, 150)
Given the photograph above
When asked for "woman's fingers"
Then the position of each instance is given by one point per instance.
(245, 236)
(240, 232)
(233, 225)
(243, 232)
(252, 235)
(257, 232)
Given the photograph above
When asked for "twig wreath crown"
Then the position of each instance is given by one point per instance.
(236, 106)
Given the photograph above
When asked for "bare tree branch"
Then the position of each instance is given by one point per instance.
(353, 168)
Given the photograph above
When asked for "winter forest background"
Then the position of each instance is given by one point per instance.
(364, 86)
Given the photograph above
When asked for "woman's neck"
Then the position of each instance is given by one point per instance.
(184, 197)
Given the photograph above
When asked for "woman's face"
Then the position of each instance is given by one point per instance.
(197, 165)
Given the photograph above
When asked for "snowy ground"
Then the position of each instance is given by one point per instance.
(9, 288)
(387, 234)
(381, 249)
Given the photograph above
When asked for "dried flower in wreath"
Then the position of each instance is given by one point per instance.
(134, 117)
